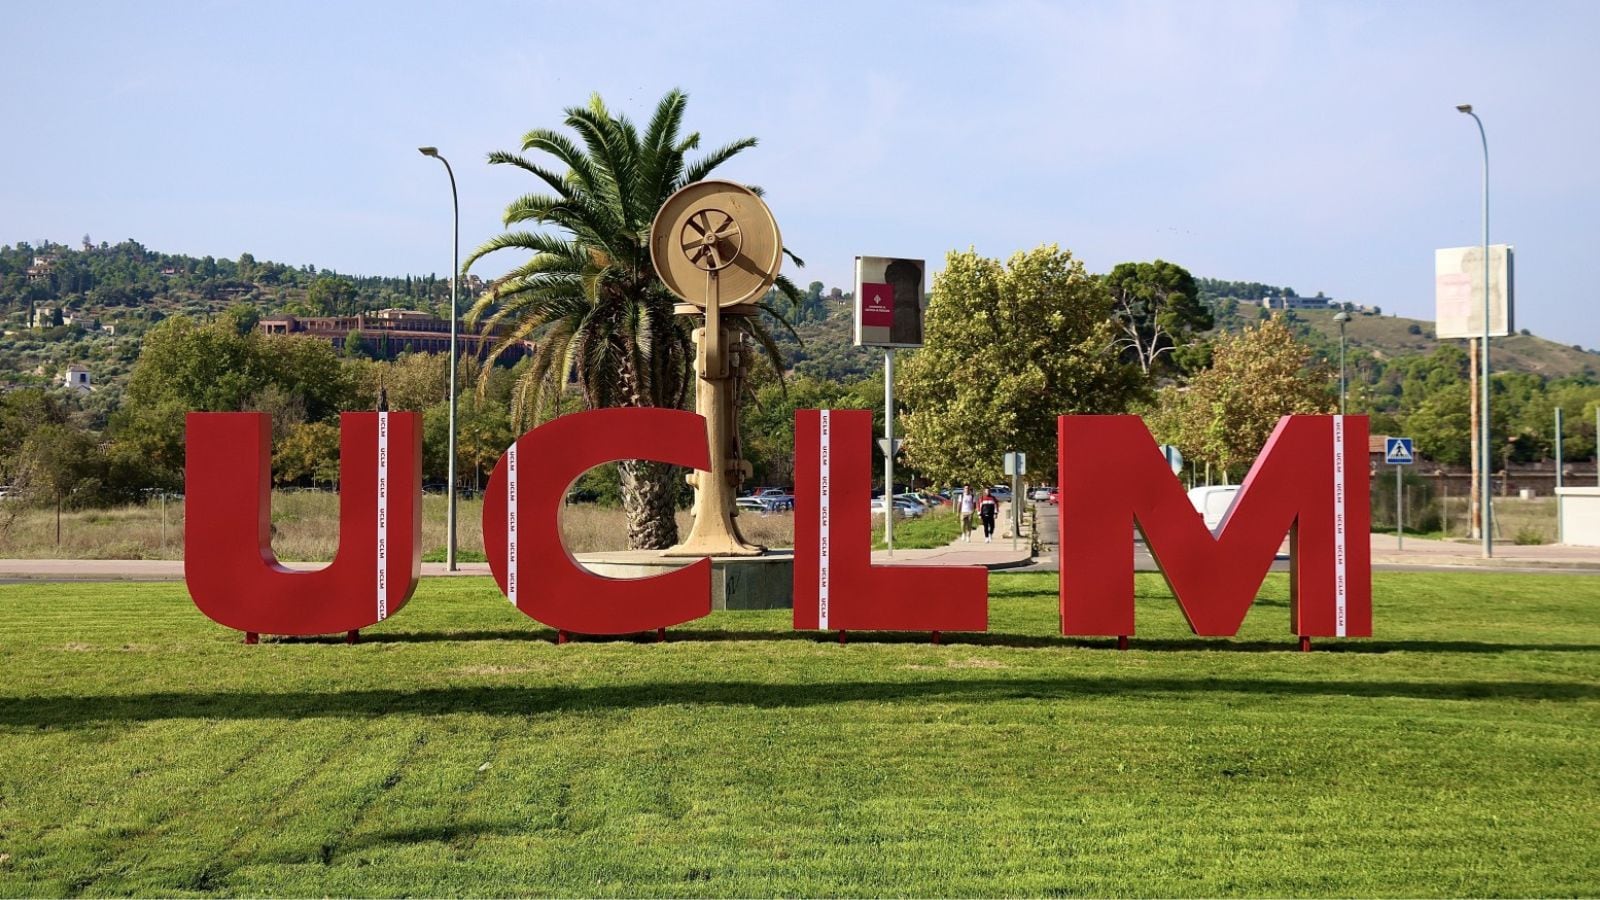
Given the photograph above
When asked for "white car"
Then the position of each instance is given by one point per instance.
(1041, 494)
(1213, 502)
(754, 504)
(906, 509)
(914, 500)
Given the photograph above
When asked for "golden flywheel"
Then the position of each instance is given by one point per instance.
(716, 231)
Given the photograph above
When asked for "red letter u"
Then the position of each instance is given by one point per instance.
(228, 563)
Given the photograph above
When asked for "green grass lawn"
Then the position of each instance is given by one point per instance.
(935, 529)
(144, 750)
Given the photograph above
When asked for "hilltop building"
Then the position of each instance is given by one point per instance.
(388, 333)
(77, 378)
(1289, 302)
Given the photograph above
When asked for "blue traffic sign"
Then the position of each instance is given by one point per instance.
(1397, 451)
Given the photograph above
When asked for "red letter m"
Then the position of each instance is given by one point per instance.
(1309, 482)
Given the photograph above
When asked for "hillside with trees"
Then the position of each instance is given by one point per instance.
(166, 333)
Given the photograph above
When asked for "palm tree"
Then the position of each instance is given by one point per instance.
(589, 298)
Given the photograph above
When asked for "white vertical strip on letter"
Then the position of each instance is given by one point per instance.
(511, 524)
(822, 525)
(383, 515)
(1338, 527)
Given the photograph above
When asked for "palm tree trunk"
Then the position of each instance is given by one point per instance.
(648, 497)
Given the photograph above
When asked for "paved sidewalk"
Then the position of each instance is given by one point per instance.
(997, 555)
(1415, 553)
(1421, 552)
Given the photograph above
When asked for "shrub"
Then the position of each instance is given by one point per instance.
(1526, 537)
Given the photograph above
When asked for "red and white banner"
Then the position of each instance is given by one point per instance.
(511, 524)
(383, 516)
(1340, 587)
(823, 509)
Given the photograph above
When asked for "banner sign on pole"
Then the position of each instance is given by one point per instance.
(889, 301)
(1458, 291)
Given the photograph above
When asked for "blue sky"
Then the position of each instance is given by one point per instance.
(1314, 145)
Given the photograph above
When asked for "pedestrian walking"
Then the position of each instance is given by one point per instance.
(988, 511)
(966, 505)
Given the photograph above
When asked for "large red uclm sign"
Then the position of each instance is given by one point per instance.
(1310, 483)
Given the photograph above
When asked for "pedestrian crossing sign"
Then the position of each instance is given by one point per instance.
(1397, 451)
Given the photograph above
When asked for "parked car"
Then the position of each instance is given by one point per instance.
(754, 504)
(1055, 497)
(1041, 494)
(778, 498)
(905, 509)
(1000, 492)
(914, 500)
(1213, 502)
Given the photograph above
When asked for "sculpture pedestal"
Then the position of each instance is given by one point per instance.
(737, 582)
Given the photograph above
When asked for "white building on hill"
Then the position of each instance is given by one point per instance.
(76, 377)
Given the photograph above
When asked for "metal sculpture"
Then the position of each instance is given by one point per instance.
(716, 246)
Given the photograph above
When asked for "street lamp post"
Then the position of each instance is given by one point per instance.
(455, 266)
(1342, 318)
(1483, 435)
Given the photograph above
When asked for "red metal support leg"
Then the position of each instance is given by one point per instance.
(251, 637)
(661, 635)
(841, 637)
(936, 637)
(1305, 643)
(352, 636)
(1122, 642)
(561, 636)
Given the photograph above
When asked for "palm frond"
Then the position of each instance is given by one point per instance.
(511, 240)
(704, 166)
(556, 182)
(556, 144)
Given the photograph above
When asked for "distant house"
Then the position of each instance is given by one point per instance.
(44, 317)
(77, 378)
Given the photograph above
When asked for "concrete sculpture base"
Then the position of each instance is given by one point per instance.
(737, 582)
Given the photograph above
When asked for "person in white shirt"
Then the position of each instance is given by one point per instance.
(966, 506)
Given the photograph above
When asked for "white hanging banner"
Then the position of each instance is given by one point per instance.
(511, 524)
(383, 515)
(1339, 592)
(822, 524)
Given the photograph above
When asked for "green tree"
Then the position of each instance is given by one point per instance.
(331, 296)
(243, 317)
(767, 424)
(57, 460)
(1008, 348)
(1157, 309)
(1441, 425)
(589, 297)
(187, 367)
(1229, 410)
(355, 346)
(308, 452)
